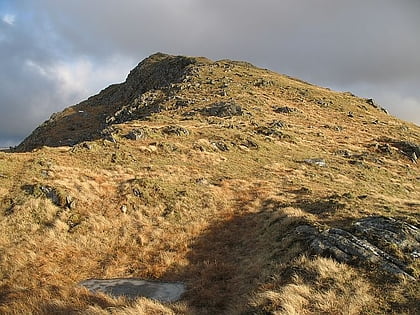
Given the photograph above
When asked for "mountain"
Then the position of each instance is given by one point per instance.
(260, 192)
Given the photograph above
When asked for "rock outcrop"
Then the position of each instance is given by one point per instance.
(154, 80)
(373, 241)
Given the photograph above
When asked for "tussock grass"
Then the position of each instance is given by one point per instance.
(316, 286)
(220, 220)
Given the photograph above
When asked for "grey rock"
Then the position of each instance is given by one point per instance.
(272, 129)
(220, 145)
(346, 247)
(263, 83)
(372, 102)
(223, 109)
(316, 161)
(250, 144)
(202, 181)
(175, 130)
(384, 232)
(46, 191)
(370, 243)
(286, 110)
(344, 153)
(408, 148)
(133, 288)
(86, 146)
(70, 203)
(136, 134)
(385, 148)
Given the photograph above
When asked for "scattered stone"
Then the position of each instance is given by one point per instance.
(324, 103)
(302, 191)
(70, 203)
(86, 146)
(223, 109)
(184, 103)
(269, 131)
(220, 145)
(350, 114)
(114, 158)
(356, 162)
(372, 102)
(132, 288)
(277, 124)
(175, 130)
(286, 110)
(108, 134)
(202, 181)
(385, 148)
(410, 149)
(316, 161)
(414, 157)
(249, 144)
(136, 134)
(46, 191)
(137, 192)
(263, 83)
(123, 209)
(272, 129)
(343, 153)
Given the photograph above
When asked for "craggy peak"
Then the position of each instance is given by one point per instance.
(212, 187)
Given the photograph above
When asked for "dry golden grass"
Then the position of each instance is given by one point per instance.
(318, 286)
(221, 221)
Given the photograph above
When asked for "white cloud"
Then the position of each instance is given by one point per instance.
(9, 19)
(69, 47)
(77, 79)
(407, 107)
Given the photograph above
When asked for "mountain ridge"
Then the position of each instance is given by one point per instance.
(159, 72)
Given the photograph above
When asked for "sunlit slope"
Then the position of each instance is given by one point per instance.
(205, 172)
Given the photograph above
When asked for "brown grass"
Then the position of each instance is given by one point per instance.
(222, 221)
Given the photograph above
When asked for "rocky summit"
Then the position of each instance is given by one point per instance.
(212, 187)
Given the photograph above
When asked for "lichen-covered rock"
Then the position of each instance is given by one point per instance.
(49, 192)
(223, 109)
(286, 110)
(175, 130)
(369, 244)
(412, 150)
(386, 232)
(136, 134)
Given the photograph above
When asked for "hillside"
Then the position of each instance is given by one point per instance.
(262, 193)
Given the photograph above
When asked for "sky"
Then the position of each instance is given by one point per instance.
(54, 54)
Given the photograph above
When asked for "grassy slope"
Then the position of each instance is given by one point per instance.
(219, 220)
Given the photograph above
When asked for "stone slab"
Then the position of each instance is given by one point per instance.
(133, 288)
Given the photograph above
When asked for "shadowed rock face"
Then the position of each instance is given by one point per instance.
(134, 288)
(153, 81)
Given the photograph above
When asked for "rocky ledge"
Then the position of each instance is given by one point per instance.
(379, 241)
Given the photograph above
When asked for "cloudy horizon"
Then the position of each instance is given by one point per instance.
(55, 54)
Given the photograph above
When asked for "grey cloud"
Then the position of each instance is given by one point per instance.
(367, 47)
